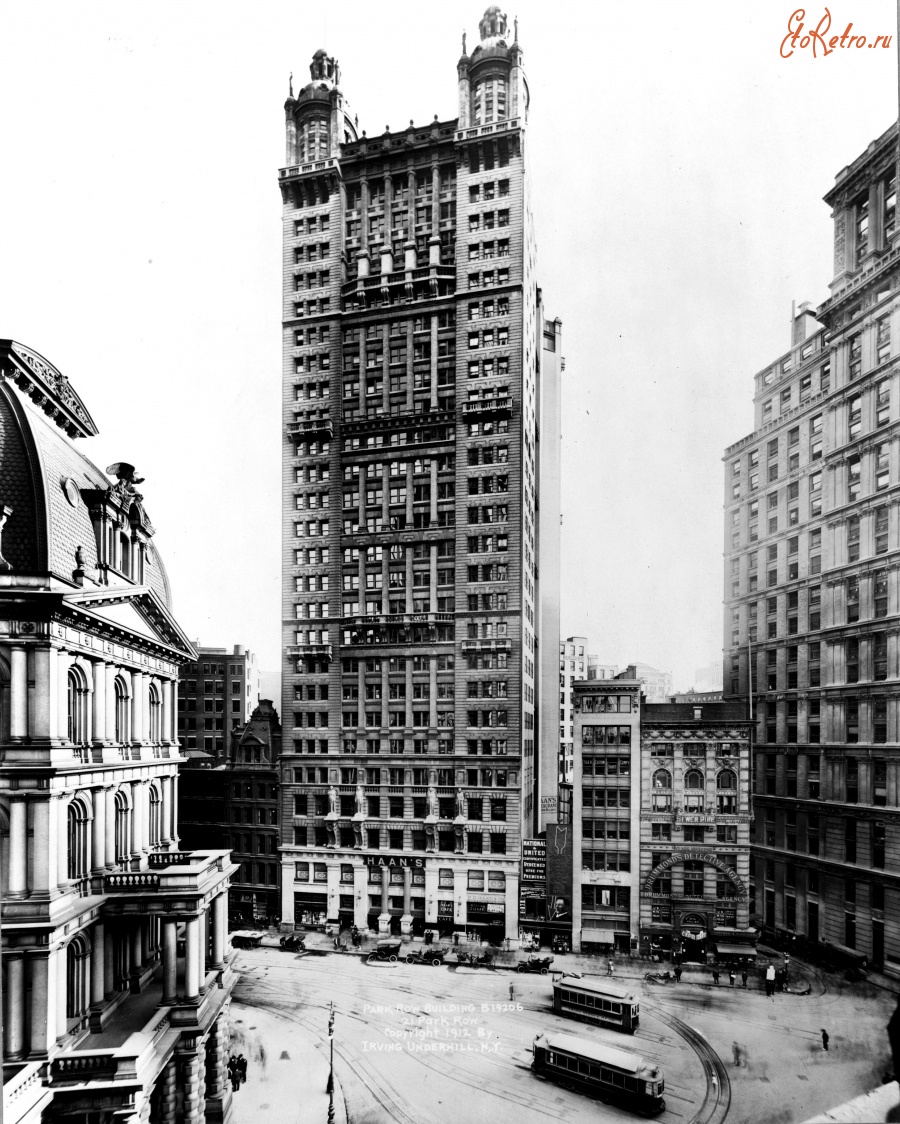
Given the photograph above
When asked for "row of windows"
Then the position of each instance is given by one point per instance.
(397, 839)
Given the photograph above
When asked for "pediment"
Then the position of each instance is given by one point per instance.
(135, 611)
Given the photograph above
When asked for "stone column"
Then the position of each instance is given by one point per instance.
(138, 841)
(165, 713)
(173, 813)
(109, 965)
(219, 931)
(406, 919)
(191, 1089)
(360, 897)
(384, 919)
(170, 959)
(14, 1006)
(63, 663)
(168, 1081)
(62, 842)
(165, 816)
(98, 831)
(218, 1092)
(146, 951)
(192, 956)
(109, 694)
(101, 734)
(58, 958)
(137, 709)
(43, 721)
(110, 828)
(134, 938)
(18, 848)
(44, 863)
(98, 964)
(43, 1004)
(18, 693)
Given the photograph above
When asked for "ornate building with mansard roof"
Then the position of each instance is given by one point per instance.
(115, 980)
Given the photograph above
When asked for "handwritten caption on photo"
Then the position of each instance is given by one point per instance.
(438, 1028)
(803, 36)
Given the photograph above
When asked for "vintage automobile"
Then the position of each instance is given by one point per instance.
(386, 950)
(293, 942)
(245, 939)
(426, 955)
(535, 964)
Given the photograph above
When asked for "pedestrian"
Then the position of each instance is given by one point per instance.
(824, 1039)
(242, 1067)
(780, 979)
(770, 980)
(744, 978)
(609, 967)
(736, 1053)
(678, 973)
(731, 976)
(334, 943)
(235, 1081)
(512, 993)
(715, 975)
(232, 1067)
(455, 940)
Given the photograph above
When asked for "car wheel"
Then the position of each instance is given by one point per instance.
(393, 959)
(520, 968)
(437, 963)
(410, 959)
(543, 971)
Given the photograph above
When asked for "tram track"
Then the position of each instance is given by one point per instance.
(717, 1100)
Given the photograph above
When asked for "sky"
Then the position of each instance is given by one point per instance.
(678, 164)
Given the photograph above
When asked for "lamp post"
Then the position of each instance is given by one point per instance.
(330, 1086)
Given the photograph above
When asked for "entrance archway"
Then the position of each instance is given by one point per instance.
(694, 934)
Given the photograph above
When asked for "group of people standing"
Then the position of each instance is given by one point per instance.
(237, 1071)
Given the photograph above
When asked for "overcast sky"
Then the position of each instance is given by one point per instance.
(678, 166)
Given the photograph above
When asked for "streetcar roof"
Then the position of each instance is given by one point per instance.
(597, 1052)
(596, 987)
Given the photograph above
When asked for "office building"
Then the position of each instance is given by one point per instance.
(574, 663)
(812, 534)
(415, 374)
(116, 986)
(656, 685)
(217, 694)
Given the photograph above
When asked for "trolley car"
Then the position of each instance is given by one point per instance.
(612, 1075)
(594, 1001)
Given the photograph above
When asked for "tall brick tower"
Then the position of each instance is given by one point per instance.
(413, 379)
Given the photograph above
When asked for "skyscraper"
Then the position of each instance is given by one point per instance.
(414, 375)
(811, 581)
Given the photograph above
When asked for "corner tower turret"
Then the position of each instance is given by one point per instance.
(492, 85)
(318, 121)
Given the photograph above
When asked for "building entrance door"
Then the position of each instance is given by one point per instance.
(694, 932)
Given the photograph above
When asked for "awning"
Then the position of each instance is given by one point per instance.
(724, 949)
(598, 936)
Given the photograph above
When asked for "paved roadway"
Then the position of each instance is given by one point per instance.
(417, 1043)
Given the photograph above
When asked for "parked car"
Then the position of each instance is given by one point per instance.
(246, 939)
(433, 956)
(535, 964)
(386, 950)
(293, 942)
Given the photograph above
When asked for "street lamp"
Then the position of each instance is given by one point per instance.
(330, 1087)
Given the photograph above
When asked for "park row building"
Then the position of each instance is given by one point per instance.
(812, 542)
(417, 365)
(115, 981)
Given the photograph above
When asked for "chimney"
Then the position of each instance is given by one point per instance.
(803, 323)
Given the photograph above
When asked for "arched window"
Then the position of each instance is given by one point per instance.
(125, 554)
(79, 841)
(155, 715)
(693, 791)
(77, 706)
(726, 792)
(123, 827)
(77, 990)
(662, 791)
(155, 815)
(123, 712)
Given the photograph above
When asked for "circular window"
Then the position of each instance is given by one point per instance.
(73, 494)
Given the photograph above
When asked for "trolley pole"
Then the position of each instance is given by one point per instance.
(330, 1086)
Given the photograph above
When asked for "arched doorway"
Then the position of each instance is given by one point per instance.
(694, 936)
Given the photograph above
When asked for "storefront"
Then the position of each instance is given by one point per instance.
(694, 938)
(485, 921)
(310, 909)
(445, 925)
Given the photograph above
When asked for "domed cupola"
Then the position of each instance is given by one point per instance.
(318, 120)
(492, 86)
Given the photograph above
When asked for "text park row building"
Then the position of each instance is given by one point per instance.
(115, 983)
(812, 542)
(417, 365)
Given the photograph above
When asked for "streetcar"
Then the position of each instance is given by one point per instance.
(596, 1001)
(614, 1076)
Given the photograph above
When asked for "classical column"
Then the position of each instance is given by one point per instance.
(98, 964)
(58, 956)
(63, 663)
(43, 1004)
(18, 693)
(101, 734)
(165, 714)
(44, 863)
(218, 1091)
(191, 1089)
(98, 831)
(170, 959)
(146, 952)
(109, 696)
(14, 1006)
(406, 919)
(134, 938)
(192, 954)
(219, 931)
(62, 842)
(168, 1080)
(18, 848)
(110, 827)
(42, 722)
(173, 812)
(138, 844)
(384, 920)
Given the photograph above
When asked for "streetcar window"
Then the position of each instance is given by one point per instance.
(606, 1075)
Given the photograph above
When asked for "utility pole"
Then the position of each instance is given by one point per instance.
(330, 1087)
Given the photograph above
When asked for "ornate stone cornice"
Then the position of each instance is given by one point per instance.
(46, 387)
